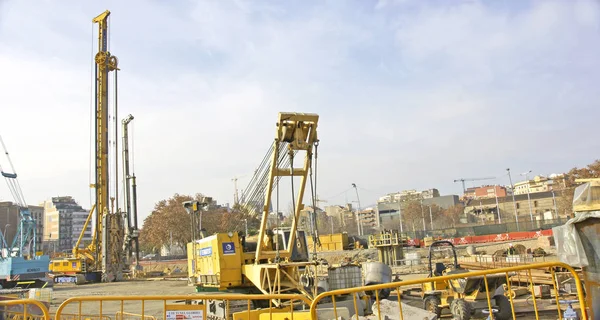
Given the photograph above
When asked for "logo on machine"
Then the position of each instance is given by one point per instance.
(206, 251)
(34, 270)
(228, 248)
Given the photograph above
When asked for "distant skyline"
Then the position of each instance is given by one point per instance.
(411, 94)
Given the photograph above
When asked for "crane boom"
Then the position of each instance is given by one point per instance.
(471, 179)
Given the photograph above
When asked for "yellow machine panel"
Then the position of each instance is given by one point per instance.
(66, 265)
(216, 261)
(330, 242)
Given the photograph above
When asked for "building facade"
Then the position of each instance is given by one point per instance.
(64, 221)
(390, 206)
(537, 184)
(485, 192)
(343, 214)
(540, 206)
(10, 218)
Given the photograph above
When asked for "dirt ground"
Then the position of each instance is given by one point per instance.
(179, 287)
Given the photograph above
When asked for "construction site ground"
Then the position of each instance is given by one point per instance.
(162, 281)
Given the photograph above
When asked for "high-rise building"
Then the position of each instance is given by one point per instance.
(64, 220)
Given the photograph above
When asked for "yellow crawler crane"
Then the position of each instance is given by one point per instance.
(279, 259)
(102, 259)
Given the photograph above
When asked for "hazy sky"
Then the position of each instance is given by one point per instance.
(411, 94)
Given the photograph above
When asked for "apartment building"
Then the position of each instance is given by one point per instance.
(64, 221)
(535, 185)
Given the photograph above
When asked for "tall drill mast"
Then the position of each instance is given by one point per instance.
(108, 222)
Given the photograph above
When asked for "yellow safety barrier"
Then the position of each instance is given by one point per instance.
(126, 315)
(23, 309)
(337, 296)
(209, 306)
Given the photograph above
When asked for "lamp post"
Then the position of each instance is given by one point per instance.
(497, 206)
(554, 202)
(512, 189)
(358, 220)
(400, 214)
(526, 174)
(423, 216)
(430, 218)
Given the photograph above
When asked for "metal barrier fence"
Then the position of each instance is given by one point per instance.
(23, 309)
(384, 300)
(199, 306)
(348, 302)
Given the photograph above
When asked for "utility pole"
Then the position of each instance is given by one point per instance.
(512, 189)
(358, 220)
(526, 174)
(246, 227)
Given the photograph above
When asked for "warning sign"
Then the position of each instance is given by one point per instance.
(185, 315)
(184, 312)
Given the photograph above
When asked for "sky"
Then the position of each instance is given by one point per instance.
(410, 94)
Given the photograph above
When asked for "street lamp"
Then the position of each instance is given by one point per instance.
(358, 220)
(430, 218)
(526, 174)
(512, 188)
(497, 206)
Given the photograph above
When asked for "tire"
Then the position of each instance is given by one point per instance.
(460, 309)
(432, 304)
(504, 308)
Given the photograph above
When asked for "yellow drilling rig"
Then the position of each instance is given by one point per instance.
(104, 258)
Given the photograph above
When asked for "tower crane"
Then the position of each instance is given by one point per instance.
(471, 179)
(102, 259)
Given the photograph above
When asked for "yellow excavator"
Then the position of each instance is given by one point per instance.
(278, 262)
(102, 259)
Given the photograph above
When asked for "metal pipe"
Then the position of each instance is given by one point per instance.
(116, 134)
(135, 225)
(126, 177)
(526, 174)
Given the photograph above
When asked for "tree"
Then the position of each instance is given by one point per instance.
(169, 220)
(412, 214)
(453, 214)
(564, 199)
